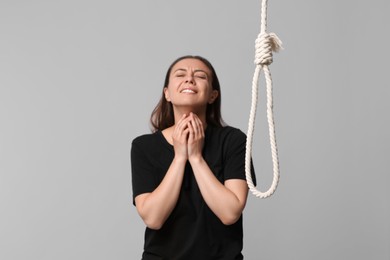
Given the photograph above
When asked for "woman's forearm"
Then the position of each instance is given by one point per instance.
(226, 201)
(155, 207)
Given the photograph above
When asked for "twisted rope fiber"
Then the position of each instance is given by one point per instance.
(264, 45)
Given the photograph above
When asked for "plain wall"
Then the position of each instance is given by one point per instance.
(79, 79)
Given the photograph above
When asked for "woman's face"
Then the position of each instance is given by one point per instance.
(190, 85)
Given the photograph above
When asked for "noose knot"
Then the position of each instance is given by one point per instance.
(265, 44)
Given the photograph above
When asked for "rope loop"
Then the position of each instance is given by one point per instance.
(265, 44)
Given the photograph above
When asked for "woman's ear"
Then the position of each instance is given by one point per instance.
(166, 93)
(213, 96)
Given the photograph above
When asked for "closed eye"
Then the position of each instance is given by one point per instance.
(201, 76)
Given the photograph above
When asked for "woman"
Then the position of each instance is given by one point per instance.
(188, 176)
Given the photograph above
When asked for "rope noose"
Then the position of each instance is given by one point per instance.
(264, 45)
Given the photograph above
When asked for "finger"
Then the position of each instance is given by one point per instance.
(181, 125)
(198, 126)
(181, 120)
(191, 134)
(196, 131)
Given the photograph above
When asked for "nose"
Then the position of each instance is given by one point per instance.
(189, 79)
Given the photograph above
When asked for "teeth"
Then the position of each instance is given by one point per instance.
(188, 91)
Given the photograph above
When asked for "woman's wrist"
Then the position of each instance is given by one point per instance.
(179, 159)
(196, 159)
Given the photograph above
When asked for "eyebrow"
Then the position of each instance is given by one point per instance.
(196, 70)
(199, 70)
(179, 69)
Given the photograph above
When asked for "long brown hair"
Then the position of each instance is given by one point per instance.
(162, 116)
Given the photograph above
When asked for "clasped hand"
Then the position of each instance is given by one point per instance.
(188, 137)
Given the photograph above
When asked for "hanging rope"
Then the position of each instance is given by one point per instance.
(265, 44)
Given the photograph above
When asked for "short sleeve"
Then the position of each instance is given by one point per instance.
(235, 148)
(143, 180)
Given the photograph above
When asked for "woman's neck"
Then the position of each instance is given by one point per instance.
(180, 112)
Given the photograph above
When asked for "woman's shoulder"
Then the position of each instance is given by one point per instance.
(146, 139)
(228, 131)
(228, 135)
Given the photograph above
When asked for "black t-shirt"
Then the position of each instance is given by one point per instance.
(192, 231)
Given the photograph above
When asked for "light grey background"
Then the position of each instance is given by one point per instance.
(79, 79)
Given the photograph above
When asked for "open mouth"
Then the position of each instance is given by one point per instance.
(188, 91)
